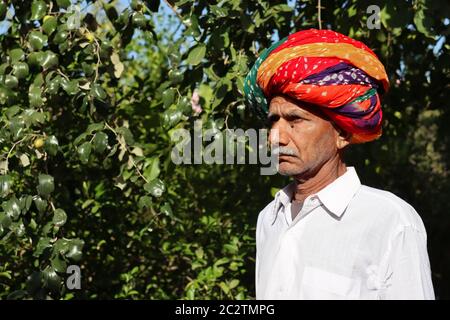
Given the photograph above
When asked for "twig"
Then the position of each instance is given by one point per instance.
(62, 73)
(176, 12)
(9, 153)
(318, 14)
(97, 52)
(129, 152)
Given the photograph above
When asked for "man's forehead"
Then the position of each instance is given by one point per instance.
(286, 106)
(282, 105)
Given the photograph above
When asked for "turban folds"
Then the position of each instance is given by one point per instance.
(339, 75)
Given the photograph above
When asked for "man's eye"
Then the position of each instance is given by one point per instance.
(296, 120)
(271, 120)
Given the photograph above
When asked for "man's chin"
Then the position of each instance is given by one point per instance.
(288, 170)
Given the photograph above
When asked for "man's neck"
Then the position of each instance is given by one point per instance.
(329, 172)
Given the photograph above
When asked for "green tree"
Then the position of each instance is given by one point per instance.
(90, 92)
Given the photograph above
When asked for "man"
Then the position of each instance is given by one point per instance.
(325, 235)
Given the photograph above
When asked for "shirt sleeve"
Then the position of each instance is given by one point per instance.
(408, 262)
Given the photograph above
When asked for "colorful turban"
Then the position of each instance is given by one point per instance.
(339, 75)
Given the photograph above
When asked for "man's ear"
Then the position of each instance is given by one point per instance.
(342, 139)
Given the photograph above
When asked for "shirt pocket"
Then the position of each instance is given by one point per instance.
(319, 284)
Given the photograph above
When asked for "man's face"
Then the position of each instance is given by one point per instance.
(306, 139)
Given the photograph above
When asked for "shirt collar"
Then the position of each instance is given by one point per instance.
(335, 197)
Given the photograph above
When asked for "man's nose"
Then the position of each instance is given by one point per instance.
(278, 134)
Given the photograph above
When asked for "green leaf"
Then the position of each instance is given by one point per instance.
(60, 37)
(168, 97)
(40, 204)
(34, 97)
(35, 58)
(136, 5)
(127, 134)
(71, 87)
(171, 117)
(32, 117)
(73, 21)
(283, 8)
(139, 20)
(59, 217)
(49, 60)
(46, 185)
(219, 12)
(49, 25)
(20, 70)
(25, 203)
(185, 106)
(75, 248)
(206, 93)
(16, 127)
(38, 10)
(51, 279)
(155, 187)
(5, 220)
(3, 68)
(37, 40)
(7, 96)
(100, 142)
(233, 283)
(4, 9)
(423, 22)
(152, 170)
(11, 81)
(166, 209)
(42, 244)
(34, 282)
(51, 145)
(16, 55)
(84, 151)
(58, 264)
(63, 3)
(144, 201)
(196, 55)
(17, 295)
(175, 76)
(224, 287)
(69, 248)
(94, 127)
(5, 185)
(98, 92)
(12, 208)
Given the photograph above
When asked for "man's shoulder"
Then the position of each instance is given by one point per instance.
(267, 210)
(268, 207)
(387, 205)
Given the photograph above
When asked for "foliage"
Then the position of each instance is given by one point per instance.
(90, 93)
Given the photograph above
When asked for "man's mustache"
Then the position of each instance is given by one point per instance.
(277, 150)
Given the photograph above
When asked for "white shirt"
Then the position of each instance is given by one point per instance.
(349, 241)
